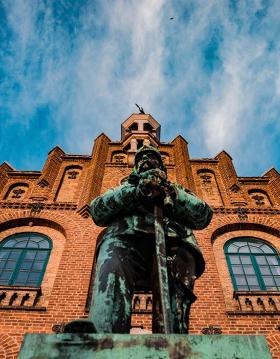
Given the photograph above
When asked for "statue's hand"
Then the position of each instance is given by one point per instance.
(150, 189)
(154, 174)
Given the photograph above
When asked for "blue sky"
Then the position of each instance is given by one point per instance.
(71, 69)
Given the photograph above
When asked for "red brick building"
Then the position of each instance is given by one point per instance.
(48, 240)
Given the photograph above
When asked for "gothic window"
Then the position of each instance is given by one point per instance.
(260, 198)
(17, 192)
(253, 265)
(23, 259)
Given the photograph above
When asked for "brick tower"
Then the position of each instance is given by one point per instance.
(48, 240)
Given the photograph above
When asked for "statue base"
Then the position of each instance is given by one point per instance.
(152, 346)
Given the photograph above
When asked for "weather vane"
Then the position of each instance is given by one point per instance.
(141, 110)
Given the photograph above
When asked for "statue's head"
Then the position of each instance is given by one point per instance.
(147, 158)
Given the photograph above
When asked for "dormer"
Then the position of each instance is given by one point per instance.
(140, 125)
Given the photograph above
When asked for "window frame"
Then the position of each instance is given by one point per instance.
(256, 266)
(22, 257)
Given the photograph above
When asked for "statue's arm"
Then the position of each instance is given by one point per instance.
(191, 210)
(118, 200)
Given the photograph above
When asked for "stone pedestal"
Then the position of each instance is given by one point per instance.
(116, 346)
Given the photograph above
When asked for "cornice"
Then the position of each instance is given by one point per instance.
(45, 206)
(246, 210)
(24, 174)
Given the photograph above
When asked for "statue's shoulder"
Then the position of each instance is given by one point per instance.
(180, 187)
(119, 188)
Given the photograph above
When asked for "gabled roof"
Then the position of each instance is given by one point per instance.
(140, 116)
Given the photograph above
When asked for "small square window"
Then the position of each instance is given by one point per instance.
(275, 270)
(255, 250)
(252, 280)
(255, 287)
(30, 255)
(261, 260)
(38, 265)
(22, 276)
(32, 244)
(248, 269)
(10, 264)
(234, 259)
(240, 280)
(41, 255)
(237, 269)
(265, 270)
(268, 281)
(34, 276)
(243, 287)
(244, 249)
(6, 275)
(272, 260)
(26, 265)
(15, 253)
(4, 254)
(245, 259)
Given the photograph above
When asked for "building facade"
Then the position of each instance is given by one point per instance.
(48, 240)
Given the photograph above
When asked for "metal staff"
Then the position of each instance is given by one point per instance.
(162, 270)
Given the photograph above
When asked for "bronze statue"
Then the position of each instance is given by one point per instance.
(147, 218)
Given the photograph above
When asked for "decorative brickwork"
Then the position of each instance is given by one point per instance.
(8, 347)
(209, 188)
(56, 203)
(69, 184)
(274, 344)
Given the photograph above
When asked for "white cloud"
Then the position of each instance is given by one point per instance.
(123, 69)
(121, 52)
(226, 118)
(242, 101)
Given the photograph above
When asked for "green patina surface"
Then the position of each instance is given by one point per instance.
(136, 238)
(173, 346)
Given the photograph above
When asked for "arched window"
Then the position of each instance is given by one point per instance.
(23, 259)
(253, 264)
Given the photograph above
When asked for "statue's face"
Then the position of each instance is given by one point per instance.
(147, 162)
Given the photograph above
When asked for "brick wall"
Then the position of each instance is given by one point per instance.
(64, 218)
